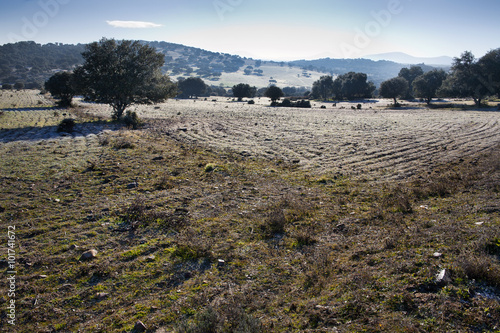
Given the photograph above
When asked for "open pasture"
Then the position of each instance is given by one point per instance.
(247, 218)
(11, 99)
(374, 141)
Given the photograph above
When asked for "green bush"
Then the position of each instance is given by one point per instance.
(66, 125)
(132, 120)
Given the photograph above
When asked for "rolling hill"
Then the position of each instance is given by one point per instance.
(404, 58)
(32, 64)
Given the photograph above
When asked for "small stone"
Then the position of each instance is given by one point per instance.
(101, 296)
(220, 263)
(42, 276)
(437, 255)
(88, 255)
(73, 247)
(139, 327)
(444, 277)
(151, 258)
(340, 227)
(159, 158)
(132, 185)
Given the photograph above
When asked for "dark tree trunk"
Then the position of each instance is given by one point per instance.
(118, 110)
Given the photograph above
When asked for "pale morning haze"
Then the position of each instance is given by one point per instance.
(278, 30)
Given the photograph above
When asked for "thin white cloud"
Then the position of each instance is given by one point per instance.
(133, 24)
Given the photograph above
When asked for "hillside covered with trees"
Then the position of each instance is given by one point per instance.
(32, 64)
(377, 71)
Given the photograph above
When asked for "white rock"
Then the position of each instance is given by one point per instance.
(88, 255)
(139, 327)
(444, 276)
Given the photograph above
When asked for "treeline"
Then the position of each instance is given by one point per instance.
(32, 64)
(468, 78)
(180, 59)
(194, 87)
(377, 71)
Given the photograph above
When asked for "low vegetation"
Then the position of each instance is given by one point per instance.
(195, 238)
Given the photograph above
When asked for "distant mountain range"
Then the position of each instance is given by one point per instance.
(377, 71)
(33, 64)
(407, 59)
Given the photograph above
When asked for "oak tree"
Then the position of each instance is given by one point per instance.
(123, 73)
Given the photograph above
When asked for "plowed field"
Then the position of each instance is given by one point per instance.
(372, 141)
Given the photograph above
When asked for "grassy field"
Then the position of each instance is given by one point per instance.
(285, 76)
(229, 217)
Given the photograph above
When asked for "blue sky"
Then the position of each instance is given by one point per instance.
(265, 29)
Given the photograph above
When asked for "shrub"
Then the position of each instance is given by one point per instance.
(359, 106)
(275, 222)
(131, 120)
(103, 140)
(122, 142)
(66, 125)
(227, 318)
(480, 267)
(210, 167)
(289, 104)
(251, 102)
(493, 246)
(399, 200)
(286, 103)
(304, 104)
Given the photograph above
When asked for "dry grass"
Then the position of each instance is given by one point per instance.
(192, 238)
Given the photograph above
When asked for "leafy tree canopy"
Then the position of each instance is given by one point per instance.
(427, 85)
(467, 79)
(63, 86)
(410, 74)
(394, 88)
(122, 73)
(274, 93)
(191, 87)
(490, 65)
(323, 88)
(353, 85)
(244, 90)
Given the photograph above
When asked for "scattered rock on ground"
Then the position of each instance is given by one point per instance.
(89, 255)
(132, 185)
(437, 255)
(444, 277)
(139, 327)
(101, 296)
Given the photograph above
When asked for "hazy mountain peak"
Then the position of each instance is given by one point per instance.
(404, 58)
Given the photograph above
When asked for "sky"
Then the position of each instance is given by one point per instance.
(265, 29)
